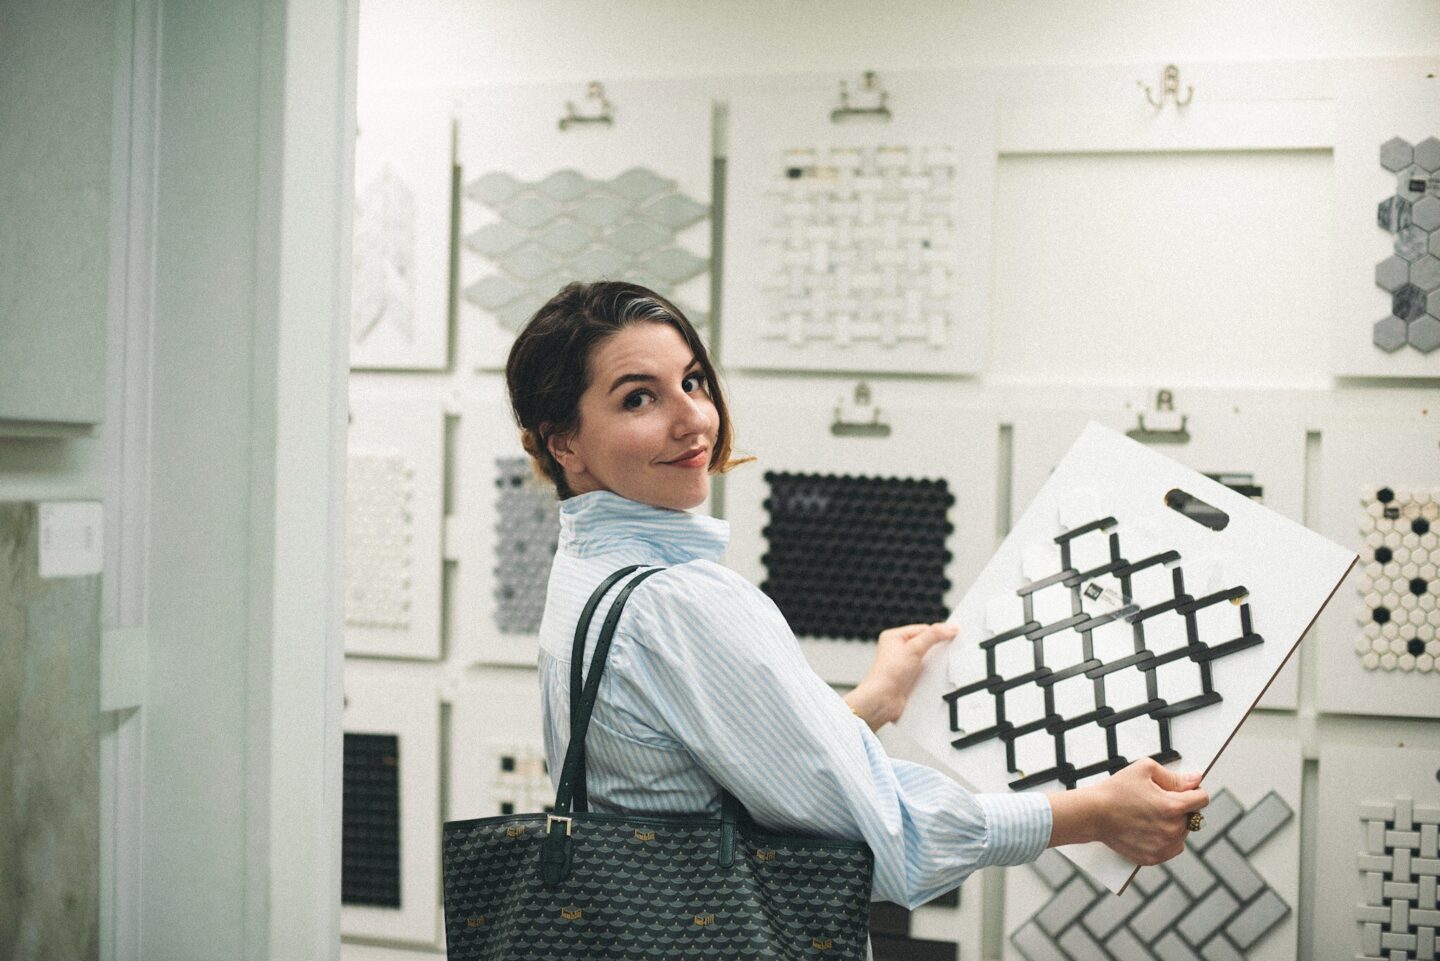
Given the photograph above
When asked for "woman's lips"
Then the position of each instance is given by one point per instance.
(691, 459)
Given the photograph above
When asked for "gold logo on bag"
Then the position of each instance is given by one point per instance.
(476, 922)
(764, 855)
(703, 919)
(515, 831)
(571, 914)
(822, 944)
(644, 835)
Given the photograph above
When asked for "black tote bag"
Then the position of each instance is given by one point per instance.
(616, 887)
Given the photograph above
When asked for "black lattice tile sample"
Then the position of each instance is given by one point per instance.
(1104, 651)
(527, 528)
(1208, 903)
(851, 556)
(370, 840)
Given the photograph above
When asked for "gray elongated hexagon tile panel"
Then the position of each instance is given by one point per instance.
(1090, 659)
(527, 526)
(863, 246)
(379, 534)
(1399, 586)
(383, 266)
(1412, 215)
(567, 227)
(1208, 903)
(1399, 916)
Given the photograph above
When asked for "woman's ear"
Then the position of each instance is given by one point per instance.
(563, 451)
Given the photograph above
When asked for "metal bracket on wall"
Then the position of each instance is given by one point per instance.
(845, 427)
(871, 90)
(1169, 89)
(1165, 427)
(604, 112)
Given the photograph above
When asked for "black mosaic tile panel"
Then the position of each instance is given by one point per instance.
(527, 528)
(890, 938)
(1107, 649)
(852, 556)
(370, 832)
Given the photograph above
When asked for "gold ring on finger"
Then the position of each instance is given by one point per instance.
(1194, 821)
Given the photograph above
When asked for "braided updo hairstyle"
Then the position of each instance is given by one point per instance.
(548, 367)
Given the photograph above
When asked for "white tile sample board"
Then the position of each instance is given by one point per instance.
(855, 242)
(1116, 627)
(1387, 230)
(400, 299)
(1380, 496)
(1378, 863)
(850, 530)
(394, 524)
(1252, 442)
(404, 711)
(497, 747)
(1233, 893)
(542, 206)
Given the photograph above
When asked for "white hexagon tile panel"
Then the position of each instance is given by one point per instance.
(1379, 641)
(859, 240)
(1387, 276)
(541, 206)
(399, 301)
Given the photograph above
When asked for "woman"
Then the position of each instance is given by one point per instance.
(705, 685)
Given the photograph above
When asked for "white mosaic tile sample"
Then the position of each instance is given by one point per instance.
(1399, 916)
(379, 533)
(1399, 589)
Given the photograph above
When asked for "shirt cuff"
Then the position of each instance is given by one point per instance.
(1017, 827)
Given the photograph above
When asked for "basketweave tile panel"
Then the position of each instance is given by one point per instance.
(394, 524)
(859, 244)
(400, 298)
(828, 512)
(1380, 637)
(1234, 893)
(390, 852)
(1251, 441)
(541, 206)
(1387, 252)
(1377, 869)
(507, 526)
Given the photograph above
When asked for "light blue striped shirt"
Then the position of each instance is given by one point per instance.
(706, 686)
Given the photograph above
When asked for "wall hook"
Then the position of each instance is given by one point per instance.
(595, 91)
(869, 90)
(1165, 427)
(1169, 89)
(845, 426)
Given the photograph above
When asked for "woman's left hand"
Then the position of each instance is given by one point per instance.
(881, 696)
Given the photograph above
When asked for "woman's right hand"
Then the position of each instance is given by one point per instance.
(1141, 812)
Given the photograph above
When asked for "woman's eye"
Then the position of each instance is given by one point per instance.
(636, 400)
(693, 382)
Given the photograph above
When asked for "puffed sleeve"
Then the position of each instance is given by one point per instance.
(716, 662)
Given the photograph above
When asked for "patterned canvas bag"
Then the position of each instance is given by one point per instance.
(616, 887)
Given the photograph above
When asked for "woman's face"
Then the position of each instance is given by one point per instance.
(647, 423)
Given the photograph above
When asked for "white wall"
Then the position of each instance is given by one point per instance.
(427, 43)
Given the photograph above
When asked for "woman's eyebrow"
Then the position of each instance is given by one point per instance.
(646, 378)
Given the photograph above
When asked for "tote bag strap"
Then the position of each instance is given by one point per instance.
(581, 801)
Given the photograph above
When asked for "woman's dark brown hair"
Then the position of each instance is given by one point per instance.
(548, 367)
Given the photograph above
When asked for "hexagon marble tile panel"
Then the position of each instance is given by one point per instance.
(1412, 274)
(542, 204)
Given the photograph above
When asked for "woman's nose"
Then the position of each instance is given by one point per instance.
(693, 416)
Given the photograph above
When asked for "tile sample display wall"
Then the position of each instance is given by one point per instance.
(1113, 626)
(390, 854)
(824, 506)
(1232, 894)
(400, 300)
(544, 204)
(1378, 868)
(1253, 442)
(497, 748)
(393, 530)
(1387, 253)
(856, 240)
(50, 839)
(1381, 495)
